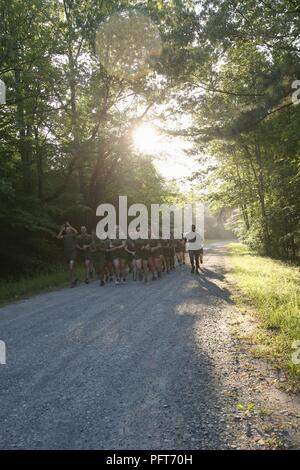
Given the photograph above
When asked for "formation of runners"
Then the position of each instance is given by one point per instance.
(116, 259)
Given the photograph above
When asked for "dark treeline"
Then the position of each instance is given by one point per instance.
(66, 128)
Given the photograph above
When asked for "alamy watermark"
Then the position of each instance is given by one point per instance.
(2, 92)
(296, 93)
(160, 221)
(2, 353)
(296, 354)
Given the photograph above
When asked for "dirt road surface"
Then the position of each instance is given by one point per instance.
(136, 366)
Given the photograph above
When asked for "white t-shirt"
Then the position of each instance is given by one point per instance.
(194, 240)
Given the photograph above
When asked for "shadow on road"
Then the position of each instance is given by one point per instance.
(207, 282)
(123, 368)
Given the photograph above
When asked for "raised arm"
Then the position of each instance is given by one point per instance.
(72, 228)
(60, 235)
(112, 247)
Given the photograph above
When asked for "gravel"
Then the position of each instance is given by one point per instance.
(125, 367)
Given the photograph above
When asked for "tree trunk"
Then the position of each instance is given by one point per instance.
(39, 164)
(25, 137)
(261, 193)
(243, 199)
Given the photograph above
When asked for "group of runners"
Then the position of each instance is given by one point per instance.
(143, 259)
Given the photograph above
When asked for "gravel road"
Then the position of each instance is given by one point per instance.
(123, 367)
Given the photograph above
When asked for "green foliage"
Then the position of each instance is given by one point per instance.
(272, 289)
(66, 128)
(59, 276)
(245, 118)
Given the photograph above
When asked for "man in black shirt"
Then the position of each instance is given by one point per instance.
(84, 241)
(69, 236)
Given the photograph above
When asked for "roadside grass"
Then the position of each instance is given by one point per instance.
(271, 289)
(12, 291)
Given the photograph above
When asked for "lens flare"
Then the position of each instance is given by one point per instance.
(128, 44)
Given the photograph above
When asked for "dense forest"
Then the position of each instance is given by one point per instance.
(81, 75)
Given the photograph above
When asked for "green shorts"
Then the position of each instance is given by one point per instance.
(84, 256)
(130, 257)
(157, 253)
(70, 256)
(98, 259)
(142, 254)
(118, 254)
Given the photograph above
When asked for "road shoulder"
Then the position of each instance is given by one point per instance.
(267, 416)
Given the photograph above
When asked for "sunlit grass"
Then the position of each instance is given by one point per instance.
(273, 290)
